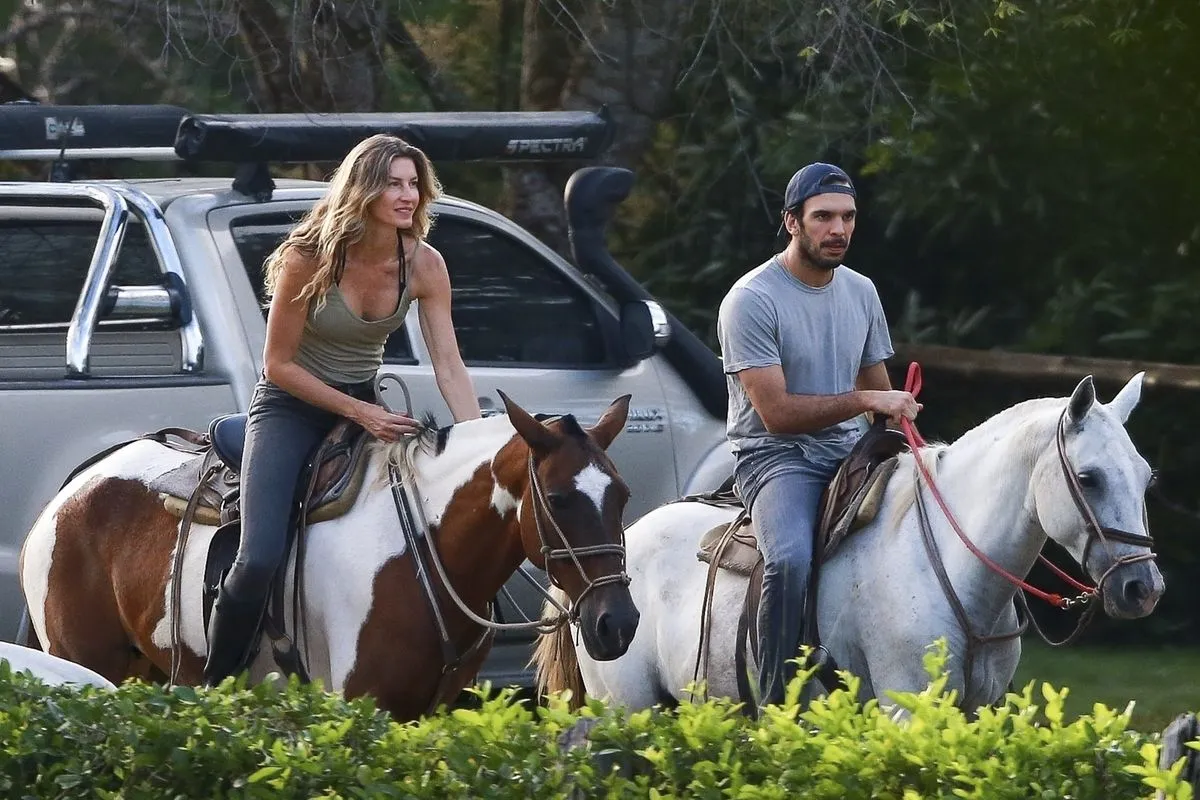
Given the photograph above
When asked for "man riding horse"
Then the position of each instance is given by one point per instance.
(804, 340)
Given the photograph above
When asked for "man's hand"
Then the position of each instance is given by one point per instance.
(895, 404)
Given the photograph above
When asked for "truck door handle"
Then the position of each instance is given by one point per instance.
(487, 406)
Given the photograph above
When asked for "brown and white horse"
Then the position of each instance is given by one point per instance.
(96, 566)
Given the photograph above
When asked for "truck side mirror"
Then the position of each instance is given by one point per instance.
(641, 333)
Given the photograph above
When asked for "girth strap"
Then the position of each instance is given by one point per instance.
(416, 539)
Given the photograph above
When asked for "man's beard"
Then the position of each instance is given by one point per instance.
(812, 254)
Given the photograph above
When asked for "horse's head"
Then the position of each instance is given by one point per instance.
(571, 521)
(1089, 492)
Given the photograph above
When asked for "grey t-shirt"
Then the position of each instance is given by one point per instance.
(821, 337)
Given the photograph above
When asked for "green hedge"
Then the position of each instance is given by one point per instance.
(296, 741)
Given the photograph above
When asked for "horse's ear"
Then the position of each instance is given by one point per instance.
(1127, 399)
(611, 422)
(539, 438)
(1082, 400)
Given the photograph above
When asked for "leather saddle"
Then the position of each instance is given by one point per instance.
(850, 501)
(210, 480)
(204, 490)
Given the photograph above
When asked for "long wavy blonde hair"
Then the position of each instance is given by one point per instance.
(339, 219)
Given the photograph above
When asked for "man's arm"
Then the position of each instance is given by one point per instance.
(785, 413)
(790, 414)
(874, 378)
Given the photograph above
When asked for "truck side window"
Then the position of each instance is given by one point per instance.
(43, 264)
(257, 236)
(511, 305)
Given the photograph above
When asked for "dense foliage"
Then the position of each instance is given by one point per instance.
(296, 741)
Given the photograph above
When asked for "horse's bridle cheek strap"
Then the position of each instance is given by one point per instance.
(543, 519)
(1096, 531)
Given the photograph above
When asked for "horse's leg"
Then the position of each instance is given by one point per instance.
(89, 633)
(394, 653)
(997, 663)
(633, 680)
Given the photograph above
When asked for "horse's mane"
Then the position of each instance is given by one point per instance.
(403, 454)
(1025, 419)
(431, 440)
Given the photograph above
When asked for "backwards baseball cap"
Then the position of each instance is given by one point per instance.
(818, 178)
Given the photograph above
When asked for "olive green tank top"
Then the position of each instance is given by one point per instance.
(338, 346)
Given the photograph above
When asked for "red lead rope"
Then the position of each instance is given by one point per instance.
(912, 385)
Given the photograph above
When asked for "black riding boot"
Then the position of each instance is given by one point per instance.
(232, 634)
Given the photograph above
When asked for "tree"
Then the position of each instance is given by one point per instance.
(290, 55)
(1050, 175)
(582, 55)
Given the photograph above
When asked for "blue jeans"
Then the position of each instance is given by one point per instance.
(783, 492)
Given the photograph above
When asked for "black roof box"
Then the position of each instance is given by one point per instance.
(460, 136)
(31, 131)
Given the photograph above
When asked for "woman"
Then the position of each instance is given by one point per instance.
(340, 283)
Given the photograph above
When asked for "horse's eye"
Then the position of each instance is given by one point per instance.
(558, 500)
(1088, 480)
(1153, 479)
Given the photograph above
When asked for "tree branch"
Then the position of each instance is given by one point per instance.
(10, 90)
(266, 39)
(442, 93)
(507, 94)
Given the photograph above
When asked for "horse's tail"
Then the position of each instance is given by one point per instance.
(555, 658)
(26, 635)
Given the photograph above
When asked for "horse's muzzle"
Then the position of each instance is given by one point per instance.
(608, 619)
(1132, 590)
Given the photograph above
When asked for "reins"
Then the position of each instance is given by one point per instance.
(1096, 531)
(416, 530)
(541, 514)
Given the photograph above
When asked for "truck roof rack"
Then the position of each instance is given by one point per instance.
(35, 132)
(456, 136)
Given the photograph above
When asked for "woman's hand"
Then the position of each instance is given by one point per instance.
(383, 424)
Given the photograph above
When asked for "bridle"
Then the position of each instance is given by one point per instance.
(543, 519)
(416, 533)
(1096, 533)
(412, 520)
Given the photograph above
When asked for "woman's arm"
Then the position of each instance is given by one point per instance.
(431, 286)
(285, 324)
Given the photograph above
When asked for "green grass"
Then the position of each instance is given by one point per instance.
(1162, 682)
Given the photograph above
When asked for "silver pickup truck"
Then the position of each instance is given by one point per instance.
(130, 305)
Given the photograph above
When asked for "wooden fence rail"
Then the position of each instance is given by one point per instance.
(998, 363)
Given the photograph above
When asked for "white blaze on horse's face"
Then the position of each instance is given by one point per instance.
(593, 482)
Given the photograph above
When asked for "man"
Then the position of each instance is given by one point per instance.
(804, 340)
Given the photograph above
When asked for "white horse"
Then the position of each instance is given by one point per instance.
(49, 669)
(881, 604)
